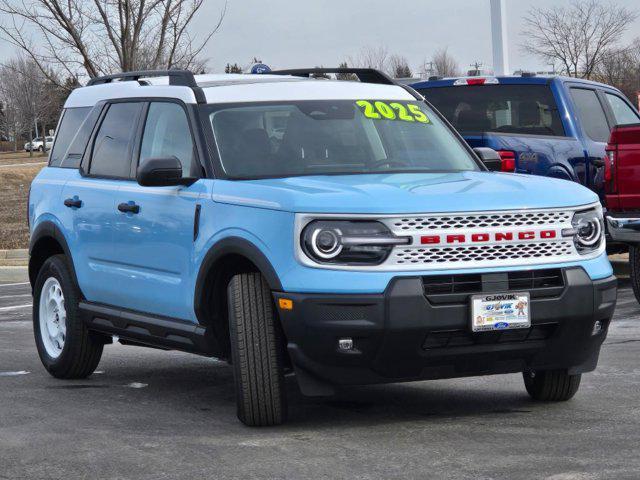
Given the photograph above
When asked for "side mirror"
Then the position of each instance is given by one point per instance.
(162, 172)
(490, 158)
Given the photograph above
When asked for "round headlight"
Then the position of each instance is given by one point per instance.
(588, 230)
(325, 243)
(346, 242)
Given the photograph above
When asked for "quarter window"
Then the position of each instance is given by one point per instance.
(622, 112)
(591, 114)
(112, 145)
(69, 126)
(167, 134)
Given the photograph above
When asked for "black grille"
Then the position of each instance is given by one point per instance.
(469, 284)
(463, 338)
(534, 279)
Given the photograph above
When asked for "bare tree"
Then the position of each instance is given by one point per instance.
(345, 76)
(77, 38)
(30, 99)
(621, 68)
(399, 66)
(443, 63)
(371, 57)
(235, 68)
(577, 37)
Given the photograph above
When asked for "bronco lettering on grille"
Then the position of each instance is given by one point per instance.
(487, 237)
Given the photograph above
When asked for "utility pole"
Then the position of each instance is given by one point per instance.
(499, 37)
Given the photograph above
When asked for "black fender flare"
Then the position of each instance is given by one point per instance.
(48, 229)
(237, 246)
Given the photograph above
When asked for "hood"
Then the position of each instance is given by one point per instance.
(404, 193)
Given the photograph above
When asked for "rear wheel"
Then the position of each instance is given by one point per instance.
(551, 385)
(256, 352)
(634, 263)
(66, 347)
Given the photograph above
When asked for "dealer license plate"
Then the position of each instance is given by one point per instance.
(500, 311)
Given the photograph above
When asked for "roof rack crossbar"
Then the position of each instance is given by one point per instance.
(182, 78)
(365, 75)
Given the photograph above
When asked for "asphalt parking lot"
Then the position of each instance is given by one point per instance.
(153, 414)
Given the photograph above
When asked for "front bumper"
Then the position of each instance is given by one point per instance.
(624, 227)
(407, 334)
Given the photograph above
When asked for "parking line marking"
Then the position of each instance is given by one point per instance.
(15, 296)
(15, 307)
(13, 284)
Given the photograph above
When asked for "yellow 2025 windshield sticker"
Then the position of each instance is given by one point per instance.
(378, 110)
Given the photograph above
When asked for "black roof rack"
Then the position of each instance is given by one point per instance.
(366, 75)
(182, 78)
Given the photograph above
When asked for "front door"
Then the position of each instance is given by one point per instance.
(154, 231)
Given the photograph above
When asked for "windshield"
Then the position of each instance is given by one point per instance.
(516, 109)
(334, 137)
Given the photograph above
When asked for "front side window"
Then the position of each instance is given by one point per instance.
(623, 113)
(112, 145)
(512, 109)
(591, 114)
(334, 137)
(167, 134)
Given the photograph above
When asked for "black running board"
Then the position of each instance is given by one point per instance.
(153, 331)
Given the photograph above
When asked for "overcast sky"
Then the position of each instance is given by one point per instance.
(306, 33)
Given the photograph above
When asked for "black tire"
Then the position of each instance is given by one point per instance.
(81, 351)
(634, 263)
(41, 149)
(551, 385)
(256, 352)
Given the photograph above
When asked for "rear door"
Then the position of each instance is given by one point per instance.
(595, 128)
(91, 201)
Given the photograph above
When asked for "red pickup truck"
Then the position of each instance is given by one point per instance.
(622, 187)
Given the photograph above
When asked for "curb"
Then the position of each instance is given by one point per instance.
(14, 258)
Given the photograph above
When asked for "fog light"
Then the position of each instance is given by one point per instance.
(345, 344)
(597, 327)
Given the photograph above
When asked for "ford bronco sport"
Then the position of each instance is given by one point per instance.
(340, 231)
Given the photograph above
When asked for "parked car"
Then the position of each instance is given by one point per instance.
(543, 125)
(622, 184)
(364, 243)
(38, 144)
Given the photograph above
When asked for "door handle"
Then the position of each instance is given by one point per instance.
(73, 202)
(129, 208)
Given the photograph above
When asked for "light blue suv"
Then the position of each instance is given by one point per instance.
(340, 231)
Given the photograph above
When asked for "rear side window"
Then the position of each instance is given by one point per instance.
(167, 134)
(591, 114)
(513, 109)
(112, 145)
(623, 113)
(70, 123)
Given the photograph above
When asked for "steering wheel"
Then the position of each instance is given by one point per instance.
(389, 163)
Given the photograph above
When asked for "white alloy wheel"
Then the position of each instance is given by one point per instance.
(53, 317)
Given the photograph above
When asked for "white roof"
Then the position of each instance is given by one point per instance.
(231, 88)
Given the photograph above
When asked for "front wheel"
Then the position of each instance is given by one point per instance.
(551, 385)
(65, 345)
(256, 352)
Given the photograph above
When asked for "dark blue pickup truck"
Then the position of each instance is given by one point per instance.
(550, 126)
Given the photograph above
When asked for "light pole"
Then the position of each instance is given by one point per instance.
(499, 37)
